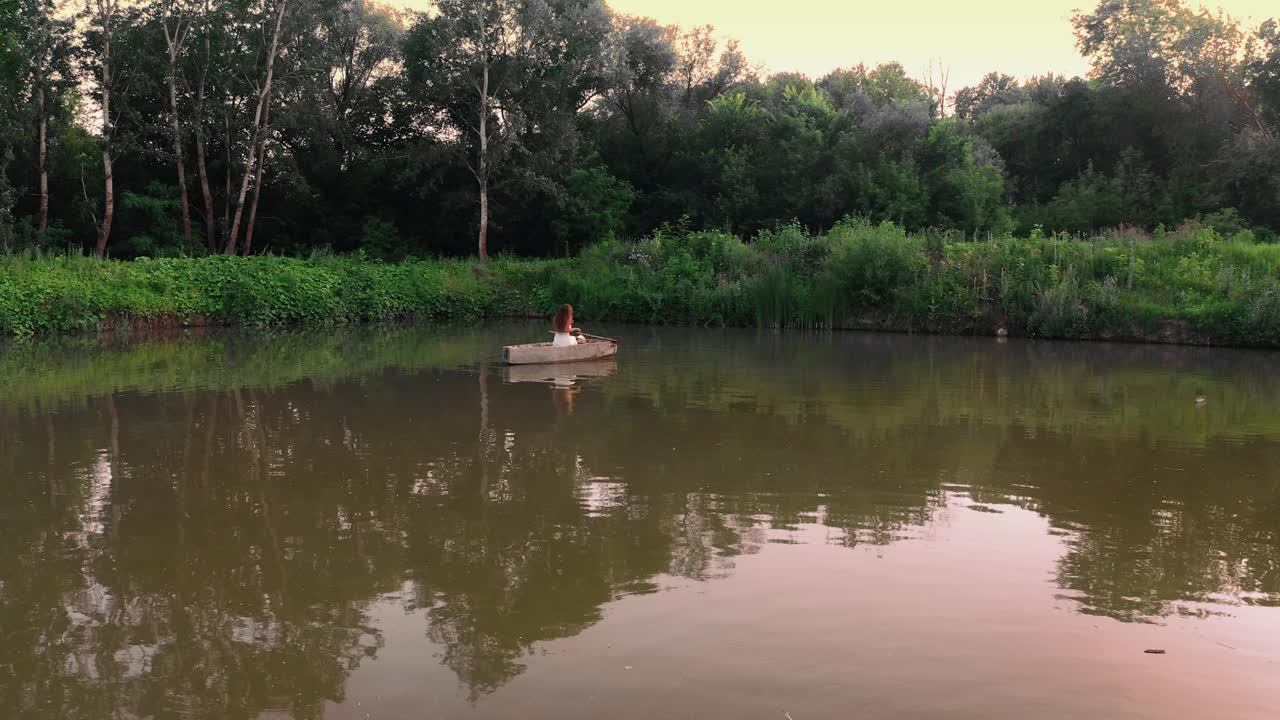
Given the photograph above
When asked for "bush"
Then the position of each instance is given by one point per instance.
(64, 294)
(868, 262)
(1061, 312)
(1124, 284)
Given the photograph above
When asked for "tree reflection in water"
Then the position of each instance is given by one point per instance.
(214, 552)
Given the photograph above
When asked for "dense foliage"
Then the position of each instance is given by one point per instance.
(342, 125)
(1192, 285)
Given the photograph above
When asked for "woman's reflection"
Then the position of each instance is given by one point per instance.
(563, 388)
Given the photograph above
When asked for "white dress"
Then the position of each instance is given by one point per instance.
(564, 339)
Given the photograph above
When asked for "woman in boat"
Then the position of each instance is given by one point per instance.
(562, 326)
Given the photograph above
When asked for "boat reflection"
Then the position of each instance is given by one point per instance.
(560, 375)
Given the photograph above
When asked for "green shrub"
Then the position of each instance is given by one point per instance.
(1118, 284)
(1061, 311)
(869, 262)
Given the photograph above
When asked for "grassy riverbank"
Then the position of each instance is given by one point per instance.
(1190, 286)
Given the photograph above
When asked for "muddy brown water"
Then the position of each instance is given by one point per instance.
(385, 523)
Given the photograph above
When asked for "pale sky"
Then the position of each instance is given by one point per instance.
(971, 37)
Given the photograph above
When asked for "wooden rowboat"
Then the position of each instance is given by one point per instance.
(539, 353)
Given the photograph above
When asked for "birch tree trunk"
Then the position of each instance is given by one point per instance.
(250, 164)
(210, 224)
(482, 165)
(482, 175)
(42, 157)
(42, 221)
(257, 179)
(226, 174)
(175, 42)
(106, 11)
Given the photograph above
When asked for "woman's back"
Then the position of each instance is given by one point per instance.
(562, 326)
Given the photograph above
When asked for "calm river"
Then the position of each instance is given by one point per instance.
(385, 523)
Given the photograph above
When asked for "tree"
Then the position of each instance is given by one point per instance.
(539, 125)
(10, 82)
(597, 204)
(481, 62)
(108, 16)
(1159, 44)
(889, 83)
(1248, 164)
(41, 60)
(1134, 42)
(466, 58)
(994, 90)
(205, 24)
(353, 51)
(703, 71)
(936, 86)
(966, 187)
(176, 19)
(1263, 78)
(257, 136)
(641, 58)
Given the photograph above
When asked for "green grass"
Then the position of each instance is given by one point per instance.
(1190, 285)
(40, 295)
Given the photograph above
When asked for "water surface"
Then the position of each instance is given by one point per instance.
(385, 523)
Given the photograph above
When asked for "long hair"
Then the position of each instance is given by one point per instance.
(561, 322)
